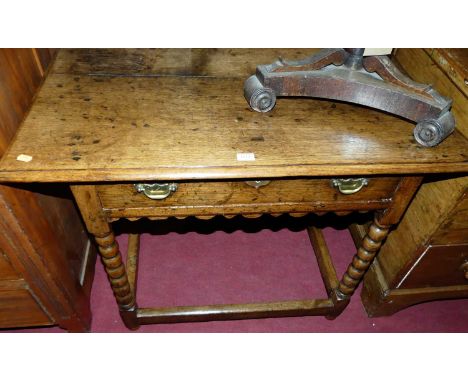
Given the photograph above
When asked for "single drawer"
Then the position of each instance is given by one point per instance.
(439, 266)
(19, 308)
(229, 198)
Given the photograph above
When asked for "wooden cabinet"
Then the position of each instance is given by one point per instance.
(426, 257)
(46, 262)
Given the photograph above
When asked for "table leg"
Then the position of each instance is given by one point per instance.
(363, 259)
(117, 274)
(372, 242)
(98, 225)
(366, 252)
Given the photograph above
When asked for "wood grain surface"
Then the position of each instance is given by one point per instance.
(454, 63)
(20, 304)
(91, 123)
(231, 63)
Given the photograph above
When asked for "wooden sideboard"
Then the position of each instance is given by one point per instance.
(123, 126)
(426, 257)
(46, 260)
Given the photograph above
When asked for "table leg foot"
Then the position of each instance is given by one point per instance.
(339, 304)
(129, 318)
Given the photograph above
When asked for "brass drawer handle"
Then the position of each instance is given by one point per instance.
(350, 185)
(257, 183)
(156, 191)
(465, 269)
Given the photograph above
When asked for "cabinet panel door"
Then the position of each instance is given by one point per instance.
(439, 266)
(21, 305)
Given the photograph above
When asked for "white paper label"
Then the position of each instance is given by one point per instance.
(245, 157)
(24, 158)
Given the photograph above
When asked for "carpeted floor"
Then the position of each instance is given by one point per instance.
(223, 261)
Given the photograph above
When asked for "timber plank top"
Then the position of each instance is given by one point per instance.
(127, 115)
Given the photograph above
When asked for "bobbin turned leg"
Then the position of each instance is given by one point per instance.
(358, 267)
(97, 224)
(372, 242)
(362, 260)
(115, 269)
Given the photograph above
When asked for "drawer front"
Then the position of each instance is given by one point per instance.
(6, 270)
(439, 266)
(19, 308)
(237, 197)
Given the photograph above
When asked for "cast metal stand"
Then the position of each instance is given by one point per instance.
(345, 75)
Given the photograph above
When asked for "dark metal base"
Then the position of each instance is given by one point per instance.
(345, 75)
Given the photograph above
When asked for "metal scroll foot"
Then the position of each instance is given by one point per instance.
(431, 132)
(260, 98)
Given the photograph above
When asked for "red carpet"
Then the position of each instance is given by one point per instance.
(233, 261)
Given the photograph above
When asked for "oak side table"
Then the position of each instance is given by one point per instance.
(168, 133)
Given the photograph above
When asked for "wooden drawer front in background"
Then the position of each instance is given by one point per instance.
(228, 198)
(19, 308)
(6, 270)
(439, 266)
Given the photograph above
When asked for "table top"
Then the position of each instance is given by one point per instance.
(127, 115)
